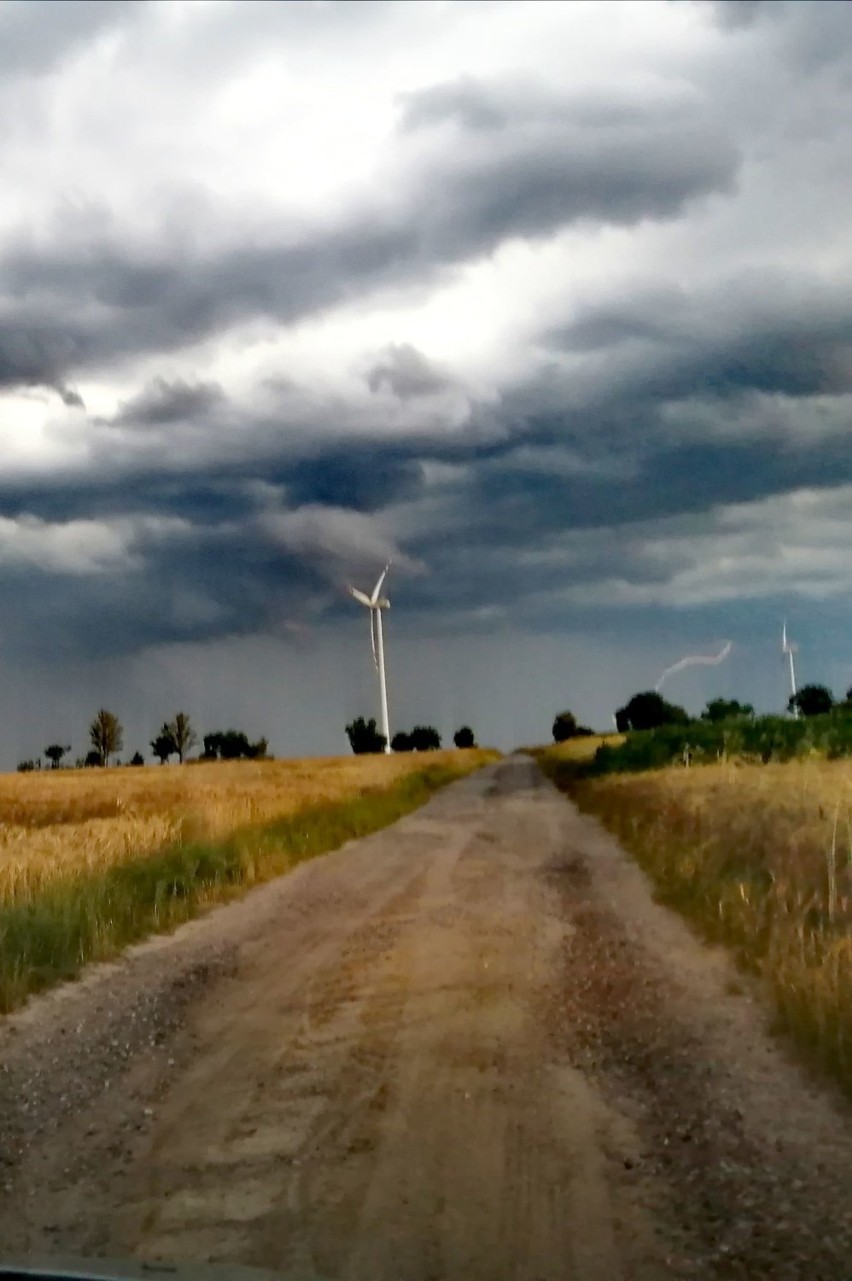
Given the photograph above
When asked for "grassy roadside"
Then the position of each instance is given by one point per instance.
(91, 914)
(759, 857)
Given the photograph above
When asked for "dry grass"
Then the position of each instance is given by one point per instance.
(576, 749)
(64, 822)
(761, 857)
(91, 860)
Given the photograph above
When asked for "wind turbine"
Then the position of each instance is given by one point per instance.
(787, 651)
(376, 603)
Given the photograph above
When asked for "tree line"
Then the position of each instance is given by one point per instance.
(365, 738)
(649, 710)
(176, 737)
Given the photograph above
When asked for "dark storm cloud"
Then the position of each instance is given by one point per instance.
(203, 498)
(758, 335)
(35, 37)
(362, 477)
(68, 309)
(35, 351)
(808, 37)
(36, 355)
(523, 163)
(407, 373)
(735, 14)
(166, 401)
(182, 582)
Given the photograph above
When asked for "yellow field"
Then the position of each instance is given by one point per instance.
(792, 821)
(761, 857)
(83, 821)
(579, 749)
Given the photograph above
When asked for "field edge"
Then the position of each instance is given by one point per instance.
(88, 918)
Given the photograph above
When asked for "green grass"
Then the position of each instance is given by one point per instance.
(91, 917)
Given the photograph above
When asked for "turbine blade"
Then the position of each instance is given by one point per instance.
(378, 587)
(362, 597)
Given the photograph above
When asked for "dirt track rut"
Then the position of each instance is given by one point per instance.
(464, 1047)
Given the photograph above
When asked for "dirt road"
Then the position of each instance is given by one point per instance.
(470, 1046)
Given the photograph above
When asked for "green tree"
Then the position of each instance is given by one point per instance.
(231, 745)
(106, 735)
(137, 759)
(183, 735)
(564, 727)
(425, 738)
(811, 700)
(401, 742)
(725, 709)
(464, 737)
(55, 753)
(649, 710)
(164, 745)
(364, 738)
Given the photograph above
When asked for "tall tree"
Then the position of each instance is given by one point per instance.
(55, 753)
(812, 700)
(183, 735)
(164, 745)
(107, 736)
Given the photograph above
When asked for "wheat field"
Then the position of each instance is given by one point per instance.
(66, 822)
(760, 856)
(92, 860)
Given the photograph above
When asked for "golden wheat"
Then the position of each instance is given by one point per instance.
(761, 857)
(63, 822)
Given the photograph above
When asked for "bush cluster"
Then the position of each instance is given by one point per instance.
(763, 738)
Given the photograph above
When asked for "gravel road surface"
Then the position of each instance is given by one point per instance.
(470, 1046)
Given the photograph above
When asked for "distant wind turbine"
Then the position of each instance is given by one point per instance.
(788, 649)
(376, 603)
(695, 660)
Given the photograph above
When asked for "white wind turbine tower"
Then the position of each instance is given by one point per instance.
(376, 603)
(787, 651)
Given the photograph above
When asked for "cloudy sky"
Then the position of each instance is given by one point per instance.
(549, 303)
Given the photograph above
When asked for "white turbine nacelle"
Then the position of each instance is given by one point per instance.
(375, 603)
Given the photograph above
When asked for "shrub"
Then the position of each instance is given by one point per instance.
(364, 738)
(425, 738)
(763, 739)
(564, 727)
